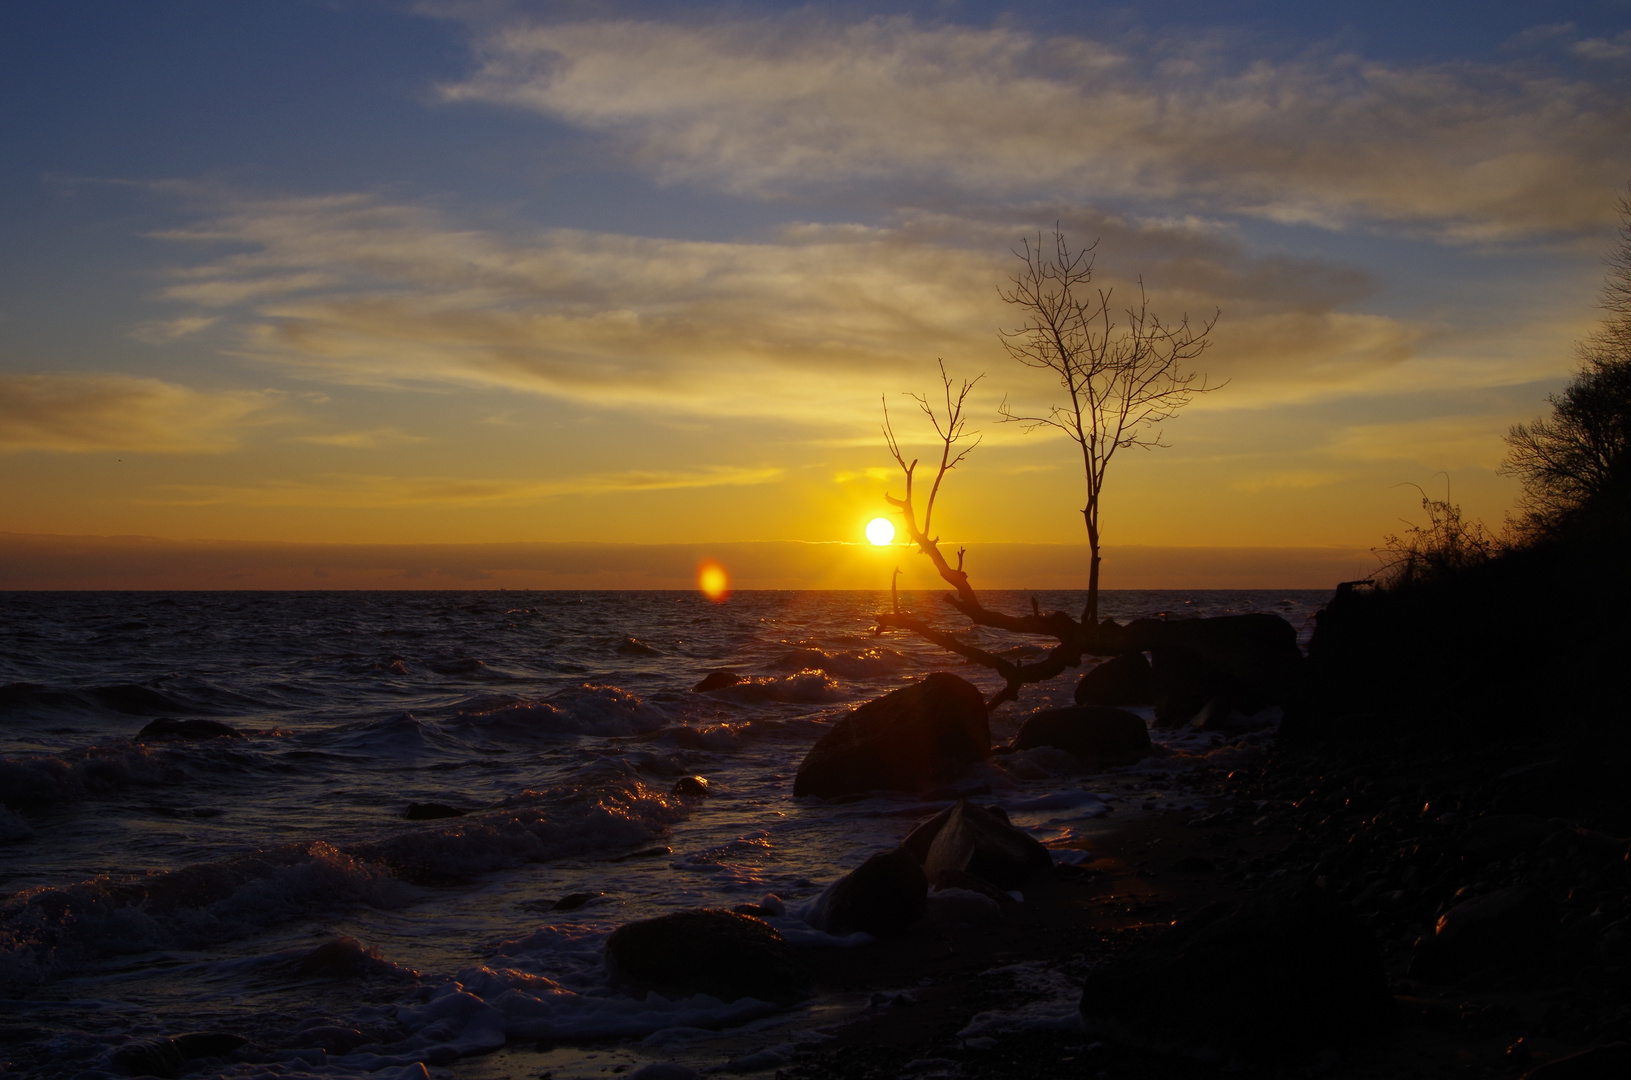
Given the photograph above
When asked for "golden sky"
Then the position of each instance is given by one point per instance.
(510, 273)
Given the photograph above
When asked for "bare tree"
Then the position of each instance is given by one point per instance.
(1121, 379)
(951, 429)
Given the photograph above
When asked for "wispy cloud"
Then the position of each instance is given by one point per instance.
(808, 324)
(351, 490)
(1449, 442)
(800, 103)
(84, 413)
(361, 440)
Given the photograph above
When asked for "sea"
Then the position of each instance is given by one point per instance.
(274, 887)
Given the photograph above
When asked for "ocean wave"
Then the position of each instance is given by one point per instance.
(591, 709)
(37, 779)
(850, 664)
(530, 827)
(807, 686)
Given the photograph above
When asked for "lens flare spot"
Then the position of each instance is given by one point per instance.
(880, 531)
(713, 581)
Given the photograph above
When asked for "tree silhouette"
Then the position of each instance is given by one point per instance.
(1119, 380)
(1577, 460)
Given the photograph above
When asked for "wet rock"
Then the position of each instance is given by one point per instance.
(977, 842)
(1097, 734)
(707, 951)
(1272, 973)
(346, 958)
(168, 1057)
(573, 901)
(963, 907)
(1125, 680)
(432, 811)
(633, 646)
(1194, 864)
(962, 879)
(1506, 928)
(912, 739)
(190, 730)
(694, 787)
(716, 680)
(883, 896)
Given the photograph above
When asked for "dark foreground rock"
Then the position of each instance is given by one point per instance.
(707, 951)
(911, 739)
(978, 842)
(1124, 680)
(1242, 663)
(1270, 974)
(1100, 736)
(883, 896)
(192, 729)
(1507, 929)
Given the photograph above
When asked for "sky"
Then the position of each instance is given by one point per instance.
(464, 273)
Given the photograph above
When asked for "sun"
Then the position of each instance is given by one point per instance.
(713, 581)
(880, 531)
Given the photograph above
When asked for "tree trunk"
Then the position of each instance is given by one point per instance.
(1090, 616)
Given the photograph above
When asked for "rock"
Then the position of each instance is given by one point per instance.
(694, 787)
(432, 811)
(1193, 864)
(1276, 972)
(346, 958)
(963, 907)
(707, 951)
(1097, 734)
(1500, 836)
(633, 646)
(912, 739)
(962, 879)
(168, 1057)
(1597, 1063)
(716, 680)
(193, 729)
(883, 896)
(1244, 662)
(665, 1070)
(977, 842)
(921, 837)
(1125, 680)
(1506, 928)
(573, 901)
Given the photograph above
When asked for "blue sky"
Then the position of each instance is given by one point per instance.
(453, 272)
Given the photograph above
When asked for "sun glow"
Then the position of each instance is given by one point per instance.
(880, 531)
(713, 581)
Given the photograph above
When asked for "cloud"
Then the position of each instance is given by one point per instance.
(86, 413)
(809, 324)
(1448, 442)
(800, 104)
(353, 490)
(361, 440)
(164, 331)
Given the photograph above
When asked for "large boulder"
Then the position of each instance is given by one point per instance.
(1124, 680)
(707, 951)
(1276, 972)
(883, 896)
(1098, 735)
(911, 739)
(1239, 663)
(1507, 928)
(978, 842)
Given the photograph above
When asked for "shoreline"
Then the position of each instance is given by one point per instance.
(904, 1007)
